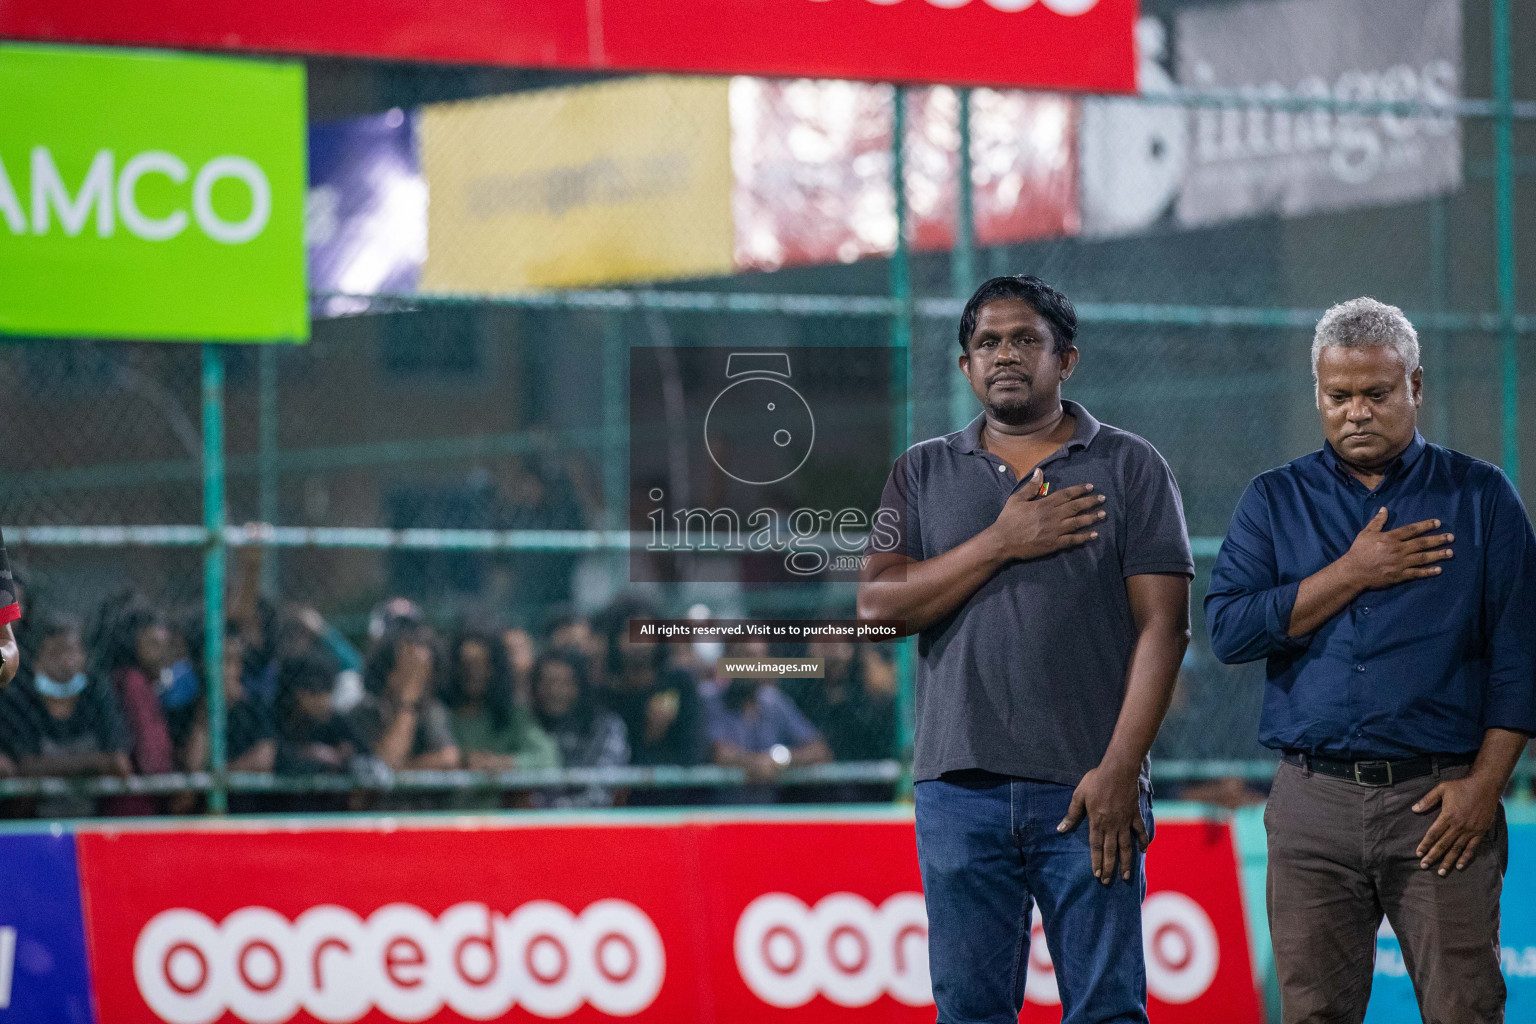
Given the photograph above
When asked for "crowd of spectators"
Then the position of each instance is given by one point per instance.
(120, 692)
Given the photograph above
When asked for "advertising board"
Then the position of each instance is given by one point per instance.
(796, 920)
(1052, 44)
(43, 971)
(151, 196)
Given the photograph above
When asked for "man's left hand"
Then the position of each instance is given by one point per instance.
(1110, 796)
(1467, 810)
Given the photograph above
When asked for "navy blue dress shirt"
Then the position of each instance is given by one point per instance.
(1422, 667)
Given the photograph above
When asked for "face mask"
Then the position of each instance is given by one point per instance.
(59, 691)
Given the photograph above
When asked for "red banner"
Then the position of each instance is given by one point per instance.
(1051, 44)
(693, 920)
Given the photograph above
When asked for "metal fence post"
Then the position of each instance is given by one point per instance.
(1504, 204)
(213, 572)
(615, 405)
(901, 346)
(1441, 388)
(266, 461)
(962, 263)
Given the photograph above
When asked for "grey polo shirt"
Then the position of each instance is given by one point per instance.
(1026, 678)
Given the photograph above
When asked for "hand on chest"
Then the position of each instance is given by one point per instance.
(986, 490)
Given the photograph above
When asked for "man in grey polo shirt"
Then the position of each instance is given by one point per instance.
(1042, 560)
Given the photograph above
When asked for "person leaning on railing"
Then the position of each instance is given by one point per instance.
(10, 611)
(493, 732)
(136, 651)
(58, 720)
(401, 719)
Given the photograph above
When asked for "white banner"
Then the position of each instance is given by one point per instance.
(1146, 163)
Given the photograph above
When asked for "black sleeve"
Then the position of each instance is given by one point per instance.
(896, 526)
(20, 734)
(1156, 539)
(10, 611)
(249, 724)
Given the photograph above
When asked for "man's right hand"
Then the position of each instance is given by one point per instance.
(413, 671)
(1384, 558)
(1031, 527)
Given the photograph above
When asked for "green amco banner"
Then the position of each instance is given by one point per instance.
(151, 196)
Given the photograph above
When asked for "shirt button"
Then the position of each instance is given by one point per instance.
(1359, 668)
(1002, 469)
(1365, 611)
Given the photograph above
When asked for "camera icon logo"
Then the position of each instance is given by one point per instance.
(759, 430)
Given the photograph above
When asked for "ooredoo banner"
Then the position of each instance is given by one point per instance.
(1055, 44)
(794, 920)
(152, 196)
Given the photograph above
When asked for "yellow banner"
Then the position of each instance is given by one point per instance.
(620, 181)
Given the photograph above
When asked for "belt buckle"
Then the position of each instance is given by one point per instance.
(1370, 779)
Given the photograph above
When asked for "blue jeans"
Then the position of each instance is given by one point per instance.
(988, 848)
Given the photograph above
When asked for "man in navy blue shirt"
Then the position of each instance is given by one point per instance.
(1391, 584)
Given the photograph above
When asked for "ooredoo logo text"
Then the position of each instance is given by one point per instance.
(336, 966)
(844, 948)
(852, 952)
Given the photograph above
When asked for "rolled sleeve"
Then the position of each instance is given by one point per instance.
(1247, 608)
(1510, 609)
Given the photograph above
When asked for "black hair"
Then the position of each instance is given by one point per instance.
(40, 626)
(612, 624)
(121, 627)
(661, 654)
(305, 672)
(585, 708)
(498, 690)
(1055, 307)
(191, 626)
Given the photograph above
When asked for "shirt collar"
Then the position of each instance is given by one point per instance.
(1401, 464)
(968, 441)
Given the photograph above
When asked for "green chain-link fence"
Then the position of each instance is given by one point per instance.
(470, 452)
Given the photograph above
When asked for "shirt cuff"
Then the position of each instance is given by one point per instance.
(1159, 569)
(1516, 714)
(10, 613)
(1277, 618)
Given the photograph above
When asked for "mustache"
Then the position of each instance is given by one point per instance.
(1023, 378)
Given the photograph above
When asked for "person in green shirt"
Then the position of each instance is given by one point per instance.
(493, 731)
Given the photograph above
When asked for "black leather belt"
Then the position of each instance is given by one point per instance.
(1377, 773)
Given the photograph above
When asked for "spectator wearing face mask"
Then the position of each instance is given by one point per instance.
(59, 721)
(588, 735)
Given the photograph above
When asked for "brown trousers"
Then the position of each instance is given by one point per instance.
(1342, 855)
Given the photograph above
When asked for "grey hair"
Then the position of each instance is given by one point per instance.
(1365, 321)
